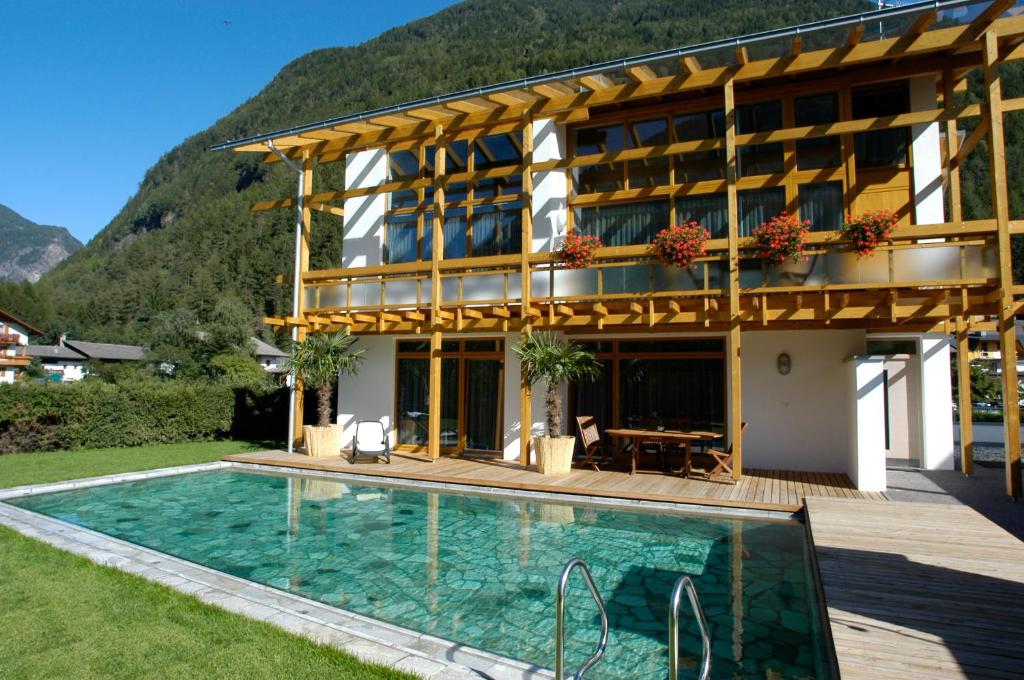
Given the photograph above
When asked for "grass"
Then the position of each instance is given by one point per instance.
(64, 616)
(17, 469)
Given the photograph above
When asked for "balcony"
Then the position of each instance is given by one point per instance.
(10, 339)
(912, 278)
(15, 356)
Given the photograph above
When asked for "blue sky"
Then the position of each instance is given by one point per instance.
(95, 91)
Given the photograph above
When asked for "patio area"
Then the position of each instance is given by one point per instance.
(758, 489)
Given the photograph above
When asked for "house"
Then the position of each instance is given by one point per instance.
(66, 361)
(14, 335)
(269, 357)
(61, 362)
(453, 209)
(983, 350)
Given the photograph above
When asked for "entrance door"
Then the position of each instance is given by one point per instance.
(903, 416)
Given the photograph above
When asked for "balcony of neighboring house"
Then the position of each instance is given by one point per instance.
(13, 354)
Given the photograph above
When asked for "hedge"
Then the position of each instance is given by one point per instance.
(91, 414)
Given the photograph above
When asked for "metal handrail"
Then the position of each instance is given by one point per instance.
(684, 583)
(560, 620)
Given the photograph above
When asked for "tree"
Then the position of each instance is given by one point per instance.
(239, 370)
(546, 356)
(319, 360)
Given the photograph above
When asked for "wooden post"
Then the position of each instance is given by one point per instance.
(735, 416)
(1000, 209)
(307, 231)
(963, 375)
(952, 147)
(525, 393)
(437, 253)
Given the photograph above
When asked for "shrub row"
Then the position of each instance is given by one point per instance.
(92, 414)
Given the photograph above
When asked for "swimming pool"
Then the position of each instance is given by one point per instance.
(482, 570)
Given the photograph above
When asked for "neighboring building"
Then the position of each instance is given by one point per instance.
(103, 351)
(983, 350)
(62, 363)
(453, 209)
(270, 357)
(14, 335)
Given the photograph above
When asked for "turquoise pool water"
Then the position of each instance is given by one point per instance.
(482, 571)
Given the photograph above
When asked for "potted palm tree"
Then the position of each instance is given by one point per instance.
(548, 357)
(318, 361)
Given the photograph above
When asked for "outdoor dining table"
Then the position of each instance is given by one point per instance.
(685, 438)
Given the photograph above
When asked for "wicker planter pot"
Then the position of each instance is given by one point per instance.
(322, 441)
(554, 454)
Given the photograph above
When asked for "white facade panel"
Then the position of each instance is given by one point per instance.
(936, 403)
(370, 395)
(866, 466)
(927, 155)
(364, 215)
(550, 189)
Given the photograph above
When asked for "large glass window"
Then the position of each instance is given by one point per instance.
(605, 177)
(818, 152)
(400, 244)
(759, 159)
(881, 148)
(711, 210)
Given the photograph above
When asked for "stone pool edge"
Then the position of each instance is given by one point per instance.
(366, 638)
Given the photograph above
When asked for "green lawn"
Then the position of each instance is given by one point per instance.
(63, 616)
(17, 469)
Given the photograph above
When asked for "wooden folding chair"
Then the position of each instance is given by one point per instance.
(720, 462)
(590, 438)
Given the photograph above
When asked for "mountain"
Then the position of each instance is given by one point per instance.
(186, 239)
(29, 250)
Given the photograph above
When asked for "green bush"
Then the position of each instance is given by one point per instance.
(92, 414)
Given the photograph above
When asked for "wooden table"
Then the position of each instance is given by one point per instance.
(678, 437)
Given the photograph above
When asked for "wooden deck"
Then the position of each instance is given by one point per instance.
(761, 489)
(919, 590)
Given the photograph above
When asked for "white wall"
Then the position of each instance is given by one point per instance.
(927, 154)
(513, 431)
(370, 395)
(936, 402)
(799, 421)
(364, 215)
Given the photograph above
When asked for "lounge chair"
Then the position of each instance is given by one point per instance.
(371, 441)
(718, 461)
(590, 438)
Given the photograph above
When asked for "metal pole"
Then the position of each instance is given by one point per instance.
(297, 287)
(684, 583)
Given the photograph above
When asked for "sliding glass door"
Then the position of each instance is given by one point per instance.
(472, 395)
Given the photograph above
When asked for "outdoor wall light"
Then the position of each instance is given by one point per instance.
(784, 363)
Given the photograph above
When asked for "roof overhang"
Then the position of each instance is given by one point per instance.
(913, 30)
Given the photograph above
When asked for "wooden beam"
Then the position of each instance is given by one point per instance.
(1001, 210)
(797, 46)
(415, 316)
(986, 18)
(969, 144)
(501, 312)
(641, 73)
(636, 307)
(742, 56)
(952, 148)
(689, 65)
(525, 309)
(437, 254)
(855, 35)
(595, 82)
(921, 24)
(470, 313)
(735, 415)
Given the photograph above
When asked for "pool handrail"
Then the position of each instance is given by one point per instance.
(685, 583)
(560, 620)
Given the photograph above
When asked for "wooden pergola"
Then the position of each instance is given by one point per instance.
(948, 39)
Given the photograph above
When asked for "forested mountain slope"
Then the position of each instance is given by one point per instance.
(186, 239)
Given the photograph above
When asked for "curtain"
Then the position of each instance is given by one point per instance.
(624, 224)
(759, 205)
(822, 204)
(484, 392)
(691, 390)
(413, 401)
(401, 240)
(711, 210)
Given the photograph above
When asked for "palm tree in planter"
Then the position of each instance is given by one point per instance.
(318, 361)
(549, 357)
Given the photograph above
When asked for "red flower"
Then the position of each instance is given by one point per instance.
(781, 238)
(869, 229)
(679, 246)
(577, 250)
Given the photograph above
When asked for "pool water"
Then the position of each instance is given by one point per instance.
(482, 571)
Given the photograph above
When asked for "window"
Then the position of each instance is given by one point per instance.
(605, 139)
(881, 148)
(623, 224)
(818, 152)
(711, 210)
(481, 218)
(701, 165)
(822, 204)
(759, 205)
(759, 159)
